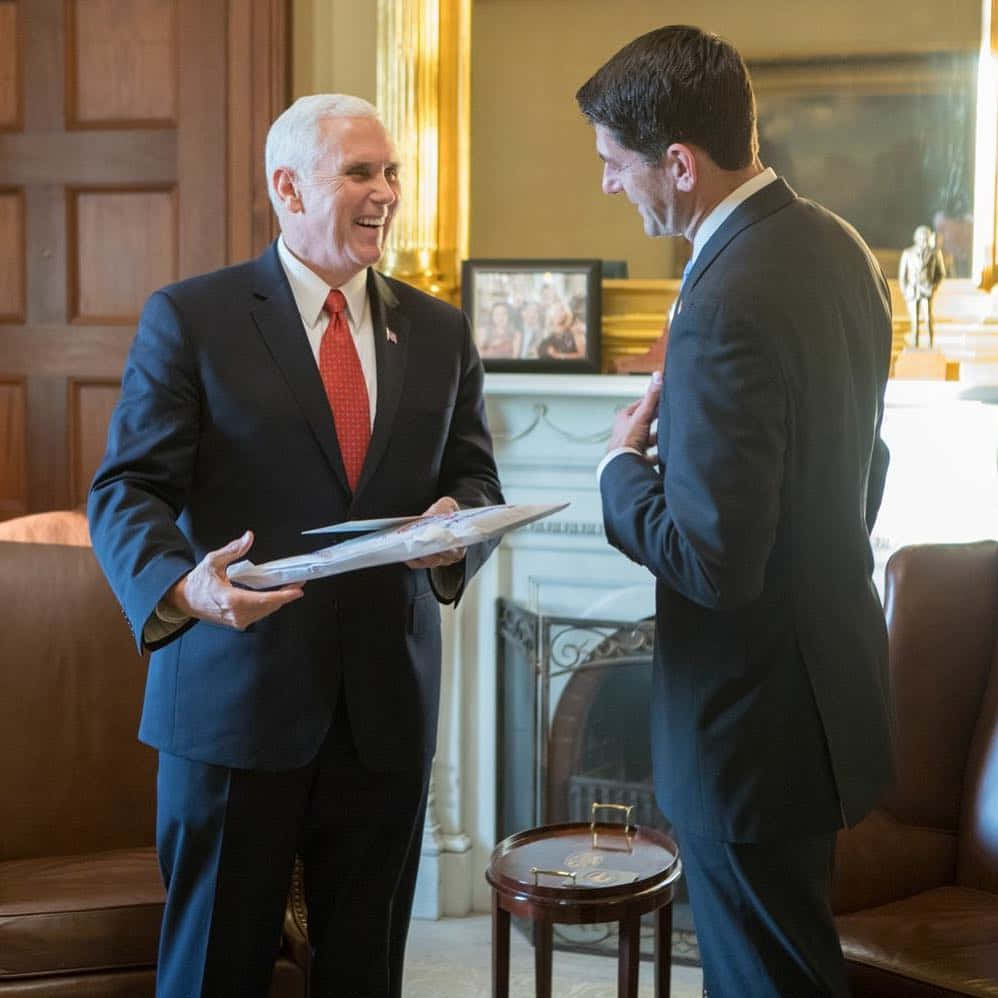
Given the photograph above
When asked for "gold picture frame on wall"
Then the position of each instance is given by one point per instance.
(887, 142)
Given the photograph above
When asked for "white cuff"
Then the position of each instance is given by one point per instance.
(162, 623)
(169, 615)
(610, 455)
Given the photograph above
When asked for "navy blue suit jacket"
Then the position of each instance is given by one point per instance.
(770, 702)
(223, 425)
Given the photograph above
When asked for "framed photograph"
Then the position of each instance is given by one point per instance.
(887, 142)
(534, 315)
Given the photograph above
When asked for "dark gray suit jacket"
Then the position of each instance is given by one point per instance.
(770, 711)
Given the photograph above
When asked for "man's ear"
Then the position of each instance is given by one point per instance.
(287, 190)
(681, 160)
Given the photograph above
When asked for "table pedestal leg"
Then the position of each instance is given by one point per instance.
(629, 957)
(500, 949)
(543, 941)
(663, 951)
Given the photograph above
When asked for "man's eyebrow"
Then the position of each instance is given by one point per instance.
(370, 165)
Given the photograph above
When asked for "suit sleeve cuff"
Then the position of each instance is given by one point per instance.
(610, 455)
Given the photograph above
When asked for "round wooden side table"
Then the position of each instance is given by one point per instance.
(581, 873)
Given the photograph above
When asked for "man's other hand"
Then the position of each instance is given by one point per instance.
(632, 425)
(206, 593)
(443, 505)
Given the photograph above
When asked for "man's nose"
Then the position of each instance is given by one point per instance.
(384, 192)
(610, 183)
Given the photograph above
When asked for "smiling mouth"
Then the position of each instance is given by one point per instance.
(372, 223)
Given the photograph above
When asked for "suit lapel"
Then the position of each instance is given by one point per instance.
(760, 205)
(771, 198)
(277, 318)
(391, 345)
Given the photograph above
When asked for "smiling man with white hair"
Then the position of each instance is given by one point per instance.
(291, 391)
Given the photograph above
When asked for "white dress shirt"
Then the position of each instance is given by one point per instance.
(715, 218)
(719, 213)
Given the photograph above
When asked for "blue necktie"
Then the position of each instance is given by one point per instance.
(686, 272)
(677, 305)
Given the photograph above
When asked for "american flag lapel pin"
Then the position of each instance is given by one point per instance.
(392, 338)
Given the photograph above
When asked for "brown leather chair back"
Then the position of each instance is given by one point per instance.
(74, 777)
(941, 602)
(978, 849)
(56, 526)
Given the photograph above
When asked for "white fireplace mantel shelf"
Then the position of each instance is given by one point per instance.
(631, 385)
(554, 385)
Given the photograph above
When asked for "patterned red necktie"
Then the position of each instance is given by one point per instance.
(343, 379)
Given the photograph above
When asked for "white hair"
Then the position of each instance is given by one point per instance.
(293, 139)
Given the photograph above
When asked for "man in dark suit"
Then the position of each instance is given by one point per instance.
(769, 707)
(292, 391)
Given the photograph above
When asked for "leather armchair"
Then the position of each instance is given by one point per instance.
(80, 891)
(915, 888)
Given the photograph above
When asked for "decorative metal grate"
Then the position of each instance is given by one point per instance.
(593, 746)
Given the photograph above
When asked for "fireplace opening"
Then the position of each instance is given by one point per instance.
(573, 730)
(599, 748)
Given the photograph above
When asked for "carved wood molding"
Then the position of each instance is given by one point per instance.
(259, 89)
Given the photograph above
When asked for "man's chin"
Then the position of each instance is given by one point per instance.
(368, 256)
(657, 229)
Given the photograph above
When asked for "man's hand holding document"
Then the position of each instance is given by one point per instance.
(416, 538)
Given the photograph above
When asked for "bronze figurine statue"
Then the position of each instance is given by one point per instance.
(921, 271)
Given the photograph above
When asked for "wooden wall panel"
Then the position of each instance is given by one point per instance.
(259, 90)
(13, 448)
(10, 67)
(12, 254)
(43, 63)
(122, 247)
(89, 405)
(121, 63)
(140, 127)
(48, 460)
(201, 138)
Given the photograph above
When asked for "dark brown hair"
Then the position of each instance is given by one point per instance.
(676, 84)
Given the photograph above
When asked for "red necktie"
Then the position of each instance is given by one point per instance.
(343, 379)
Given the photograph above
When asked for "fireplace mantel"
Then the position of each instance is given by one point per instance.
(550, 432)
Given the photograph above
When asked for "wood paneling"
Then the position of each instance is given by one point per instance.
(12, 250)
(94, 157)
(258, 93)
(89, 409)
(201, 135)
(13, 448)
(142, 127)
(48, 462)
(64, 351)
(44, 65)
(10, 66)
(122, 247)
(46, 255)
(121, 63)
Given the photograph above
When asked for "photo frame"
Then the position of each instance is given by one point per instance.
(534, 315)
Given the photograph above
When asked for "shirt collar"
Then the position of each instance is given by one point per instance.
(310, 290)
(720, 212)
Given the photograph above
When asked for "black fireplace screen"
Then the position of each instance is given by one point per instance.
(572, 705)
